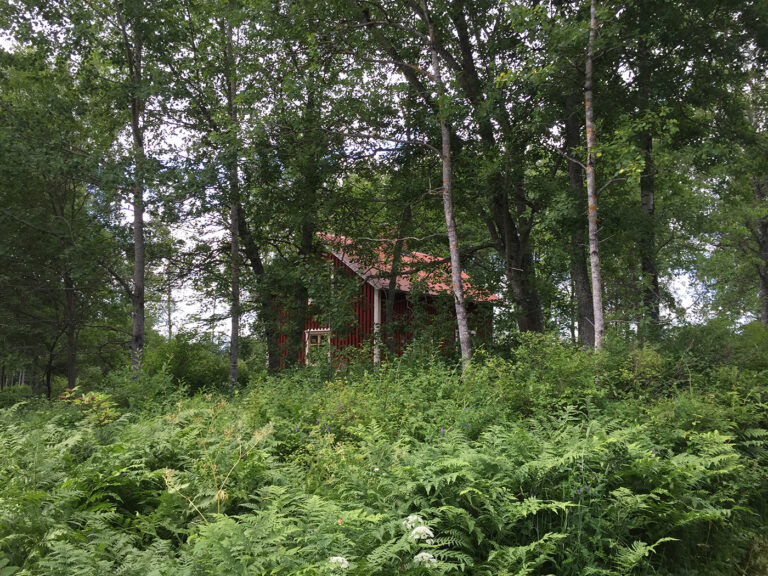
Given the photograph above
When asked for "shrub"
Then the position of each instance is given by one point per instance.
(11, 395)
(197, 363)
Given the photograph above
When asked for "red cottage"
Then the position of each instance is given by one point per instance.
(422, 295)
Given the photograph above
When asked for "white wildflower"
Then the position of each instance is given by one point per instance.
(421, 533)
(425, 558)
(338, 563)
(375, 469)
(412, 521)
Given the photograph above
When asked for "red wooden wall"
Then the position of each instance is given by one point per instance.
(362, 329)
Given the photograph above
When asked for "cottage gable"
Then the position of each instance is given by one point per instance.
(431, 274)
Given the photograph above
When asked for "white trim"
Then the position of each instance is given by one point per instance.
(368, 274)
(311, 331)
(376, 326)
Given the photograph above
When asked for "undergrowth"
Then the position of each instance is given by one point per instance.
(551, 461)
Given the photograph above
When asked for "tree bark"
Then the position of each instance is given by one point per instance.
(647, 244)
(133, 49)
(513, 243)
(137, 339)
(450, 223)
(594, 246)
(234, 203)
(300, 298)
(267, 312)
(397, 256)
(49, 365)
(234, 334)
(169, 309)
(310, 183)
(764, 285)
(761, 195)
(579, 270)
(71, 329)
(651, 298)
(48, 374)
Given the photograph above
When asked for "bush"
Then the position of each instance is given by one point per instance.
(131, 390)
(11, 395)
(197, 363)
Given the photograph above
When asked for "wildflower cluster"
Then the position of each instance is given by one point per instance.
(422, 533)
(580, 491)
(338, 563)
(425, 559)
(419, 531)
(412, 521)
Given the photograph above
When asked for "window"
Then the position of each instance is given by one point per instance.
(317, 341)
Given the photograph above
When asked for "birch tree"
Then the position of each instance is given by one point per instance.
(447, 193)
(594, 242)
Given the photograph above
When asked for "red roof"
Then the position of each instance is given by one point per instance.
(375, 265)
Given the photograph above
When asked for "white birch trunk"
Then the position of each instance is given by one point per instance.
(594, 245)
(450, 223)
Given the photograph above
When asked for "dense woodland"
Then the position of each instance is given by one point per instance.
(168, 148)
(167, 168)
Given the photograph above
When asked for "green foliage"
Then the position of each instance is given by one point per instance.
(130, 389)
(97, 407)
(11, 395)
(197, 363)
(521, 466)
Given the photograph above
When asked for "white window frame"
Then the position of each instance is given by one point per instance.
(310, 332)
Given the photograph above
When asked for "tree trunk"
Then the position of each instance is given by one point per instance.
(579, 270)
(133, 49)
(594, 246)
(234, 334)
(513, 244)
(397, 257)
(137, 340)
(310, 183)
(234, 218)
(169, 309)
(450, 223)
(647, 243)
(267, 313)
(300, 296)
(651, 298)
(71, 329)
(521, 279)
(761, 195)
(764, 289)
(48, 374)
(49, 365)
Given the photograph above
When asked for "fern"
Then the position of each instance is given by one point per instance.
(261, 486)
(630, 557)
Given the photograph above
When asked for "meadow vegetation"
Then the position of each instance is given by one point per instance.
(549, 460)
